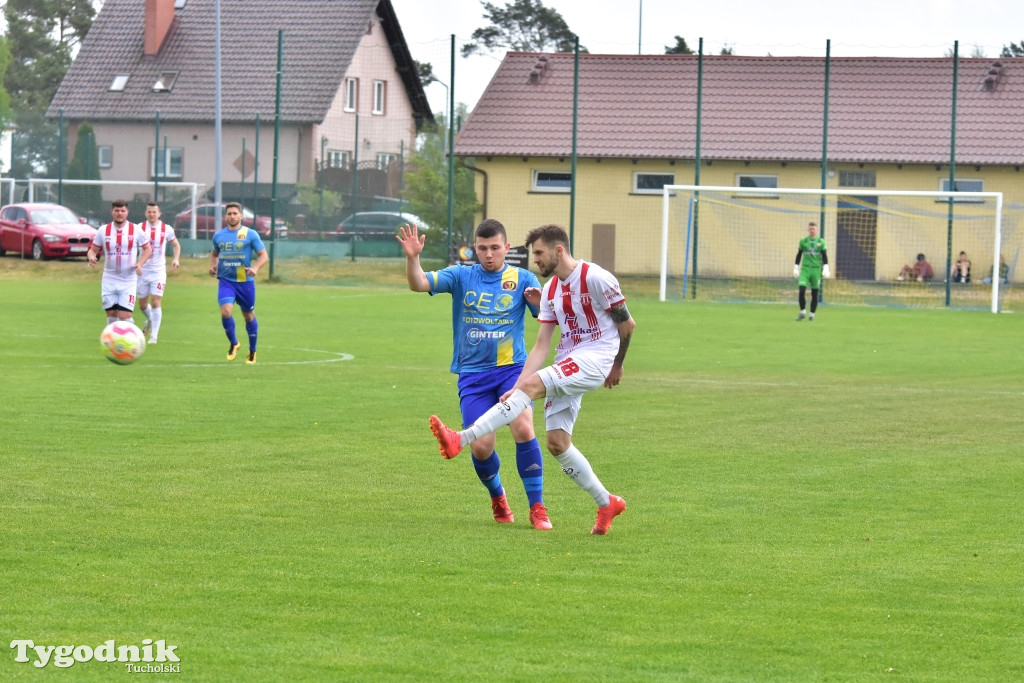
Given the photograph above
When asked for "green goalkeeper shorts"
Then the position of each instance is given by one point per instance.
(810, 278)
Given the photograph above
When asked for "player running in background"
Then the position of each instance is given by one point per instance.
(154, 273)
(231, 263)
(585, 302)
(126, 249)
(811, 265)
(489, 304)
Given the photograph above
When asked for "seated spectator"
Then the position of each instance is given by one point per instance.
(920, 271)
(1004, 271)
(961, 271)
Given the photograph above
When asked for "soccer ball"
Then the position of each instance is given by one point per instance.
(122, 342)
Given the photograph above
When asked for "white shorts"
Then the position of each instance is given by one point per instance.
(152, 284)
(565, 383)
(118, 292)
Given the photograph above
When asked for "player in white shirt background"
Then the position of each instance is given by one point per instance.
(585, 302)
(125, 250)
(153, 279)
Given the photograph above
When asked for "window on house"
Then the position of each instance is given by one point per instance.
(856, 178)
(385, 159)
(963, 185)
(166, 81)
(652, 183)
(166, 164)
(551, 181)
(766, 181)
(379, 92)
(337, 158)
(351, 91)
(105, 153)
(119, 83)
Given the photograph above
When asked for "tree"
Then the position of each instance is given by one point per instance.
(5, 98)
(680, 48)
(84, 165)
(522, 26)
(425, 70)
(426, 190)
(1013, 50)
(42, 36)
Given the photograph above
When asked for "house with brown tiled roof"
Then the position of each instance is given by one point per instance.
(761, 123)
(145, 75)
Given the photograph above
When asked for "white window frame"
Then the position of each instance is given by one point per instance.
(944, 187)
(380, 92)
(646, 190)
(351, 94)
(105, 155)
(166, 81)
(172, 163)
(337, 158)
(765, 180)
(543, 181)
(384, 160)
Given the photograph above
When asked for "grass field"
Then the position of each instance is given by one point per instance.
(828, 501)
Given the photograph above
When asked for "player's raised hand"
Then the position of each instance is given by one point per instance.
(532, 295)
(411, 240)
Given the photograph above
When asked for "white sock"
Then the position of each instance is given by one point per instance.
(497, 416)
(146, 310)
(155, 316)
(111, 319)
(576, 465)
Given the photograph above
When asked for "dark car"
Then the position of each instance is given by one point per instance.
(44, 231)
(206, 222)
(383, 223)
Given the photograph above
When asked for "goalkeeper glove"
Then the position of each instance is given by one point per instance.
(825, 271)
(796, 271)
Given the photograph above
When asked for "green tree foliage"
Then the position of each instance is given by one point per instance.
(426, 190)
(322, 206)
(522, 26)
(42, 36)
(5, 98)
(425, 70)
(87, 200)
(1013, 50)
(680, 48)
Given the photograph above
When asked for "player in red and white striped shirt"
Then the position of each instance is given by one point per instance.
(585, 302)
(154, 274)
(125, 250)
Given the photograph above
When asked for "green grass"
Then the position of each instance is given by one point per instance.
(827, 501)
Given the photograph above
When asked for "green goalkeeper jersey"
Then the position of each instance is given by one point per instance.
(810, 250)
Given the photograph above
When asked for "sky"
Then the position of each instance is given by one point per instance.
(869, 28)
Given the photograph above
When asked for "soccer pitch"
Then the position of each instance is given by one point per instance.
(836, 500)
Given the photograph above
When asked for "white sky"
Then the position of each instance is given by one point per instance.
(869, 28)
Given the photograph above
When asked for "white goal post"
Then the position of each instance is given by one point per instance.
(740, 243)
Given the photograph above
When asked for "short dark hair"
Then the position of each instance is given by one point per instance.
(489, 227)
(153, 204)
(233, 204)
(118, 203)
(920, 257)
(549, 234)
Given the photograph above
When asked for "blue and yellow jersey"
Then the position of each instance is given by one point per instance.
(488, 314)
(236, 249)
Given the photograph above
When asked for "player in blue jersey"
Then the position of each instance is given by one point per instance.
(489, 304)
(231, 263)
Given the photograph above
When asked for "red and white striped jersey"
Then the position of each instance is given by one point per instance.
(579, 305)
(159, 234)
(121, 246)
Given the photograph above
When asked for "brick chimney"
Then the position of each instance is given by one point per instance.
(159, 17)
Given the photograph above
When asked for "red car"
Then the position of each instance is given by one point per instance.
(206, 222)
(44, 231)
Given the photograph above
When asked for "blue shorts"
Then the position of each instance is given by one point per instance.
(479, 391)
(242, 293)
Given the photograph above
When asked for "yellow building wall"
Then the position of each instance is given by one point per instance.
(605, 196)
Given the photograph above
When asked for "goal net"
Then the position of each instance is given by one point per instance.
(740, 244)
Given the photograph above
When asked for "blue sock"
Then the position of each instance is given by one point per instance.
(251, 328)
(229, 329)
(530, 462)
(487, 470)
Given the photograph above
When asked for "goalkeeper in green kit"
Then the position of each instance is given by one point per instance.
(811, 265)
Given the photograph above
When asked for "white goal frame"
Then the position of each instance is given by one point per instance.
(668, 190)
